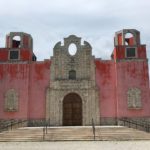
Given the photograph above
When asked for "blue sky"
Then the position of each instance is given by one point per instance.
(96, 21)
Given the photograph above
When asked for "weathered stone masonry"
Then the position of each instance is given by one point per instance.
(84, 84)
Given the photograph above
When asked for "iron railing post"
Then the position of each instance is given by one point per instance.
(43, 133)
(93, 128)
(46, 127)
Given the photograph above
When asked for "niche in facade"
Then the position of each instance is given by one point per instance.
(134, 98)
(11, 101)
(72, 74)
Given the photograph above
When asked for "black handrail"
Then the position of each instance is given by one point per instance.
(136, 124)
(11, 124)
(45, 129)
(46, 124)
(17, 123)
(43, 133)
(93, 127)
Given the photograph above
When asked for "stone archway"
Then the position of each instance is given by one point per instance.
(72, 110)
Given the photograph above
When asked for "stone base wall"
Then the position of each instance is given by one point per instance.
(108, 121)
(115, 121)
(37, 123)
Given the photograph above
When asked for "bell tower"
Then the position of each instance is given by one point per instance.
(128, 46)
(19, 40)
(19, 47)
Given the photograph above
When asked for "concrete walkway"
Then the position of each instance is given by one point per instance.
(100, 145)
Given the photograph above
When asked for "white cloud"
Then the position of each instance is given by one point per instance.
(94, 20)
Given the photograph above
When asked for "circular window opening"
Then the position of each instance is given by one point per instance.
(72, 49)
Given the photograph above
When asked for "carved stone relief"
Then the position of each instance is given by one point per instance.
(134, 98)
(11, 100)
(72, 74)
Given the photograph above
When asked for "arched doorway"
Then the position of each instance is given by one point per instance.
(72, 110)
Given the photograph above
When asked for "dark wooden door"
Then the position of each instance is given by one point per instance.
(72, 110)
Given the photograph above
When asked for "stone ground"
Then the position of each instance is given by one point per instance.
(92, 145)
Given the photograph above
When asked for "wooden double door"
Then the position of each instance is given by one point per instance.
(72, 110)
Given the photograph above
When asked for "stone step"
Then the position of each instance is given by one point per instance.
(74, 134)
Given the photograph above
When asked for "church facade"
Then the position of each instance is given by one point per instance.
(74, 88)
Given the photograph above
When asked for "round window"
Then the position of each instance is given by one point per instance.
(72, 49)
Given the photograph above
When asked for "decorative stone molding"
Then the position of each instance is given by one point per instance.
(83, 84)
(134, 98)
(87, 45)
(11, 101)
(90, 107)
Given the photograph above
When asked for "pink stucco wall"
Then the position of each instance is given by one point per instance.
(30, 81)
(132, 74)
(39, 81)
(105, 80)
(112, 78)
(14, 76)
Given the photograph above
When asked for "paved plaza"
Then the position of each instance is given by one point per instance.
(98, 145)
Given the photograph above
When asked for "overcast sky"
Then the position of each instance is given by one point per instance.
(96, 21)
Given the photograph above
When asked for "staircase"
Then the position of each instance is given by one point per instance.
(80, 133)
(22, 134)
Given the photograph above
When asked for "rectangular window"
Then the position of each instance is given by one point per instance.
(130, 52)
(72, 75)
(14, 55)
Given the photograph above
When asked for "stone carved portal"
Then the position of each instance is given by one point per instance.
(72, 74)
(72, 110)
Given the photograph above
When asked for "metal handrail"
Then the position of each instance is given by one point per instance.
(11, 124)
(93, 127)
(45, 129)
(18, 122)
(135, 124)
(43, 133)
